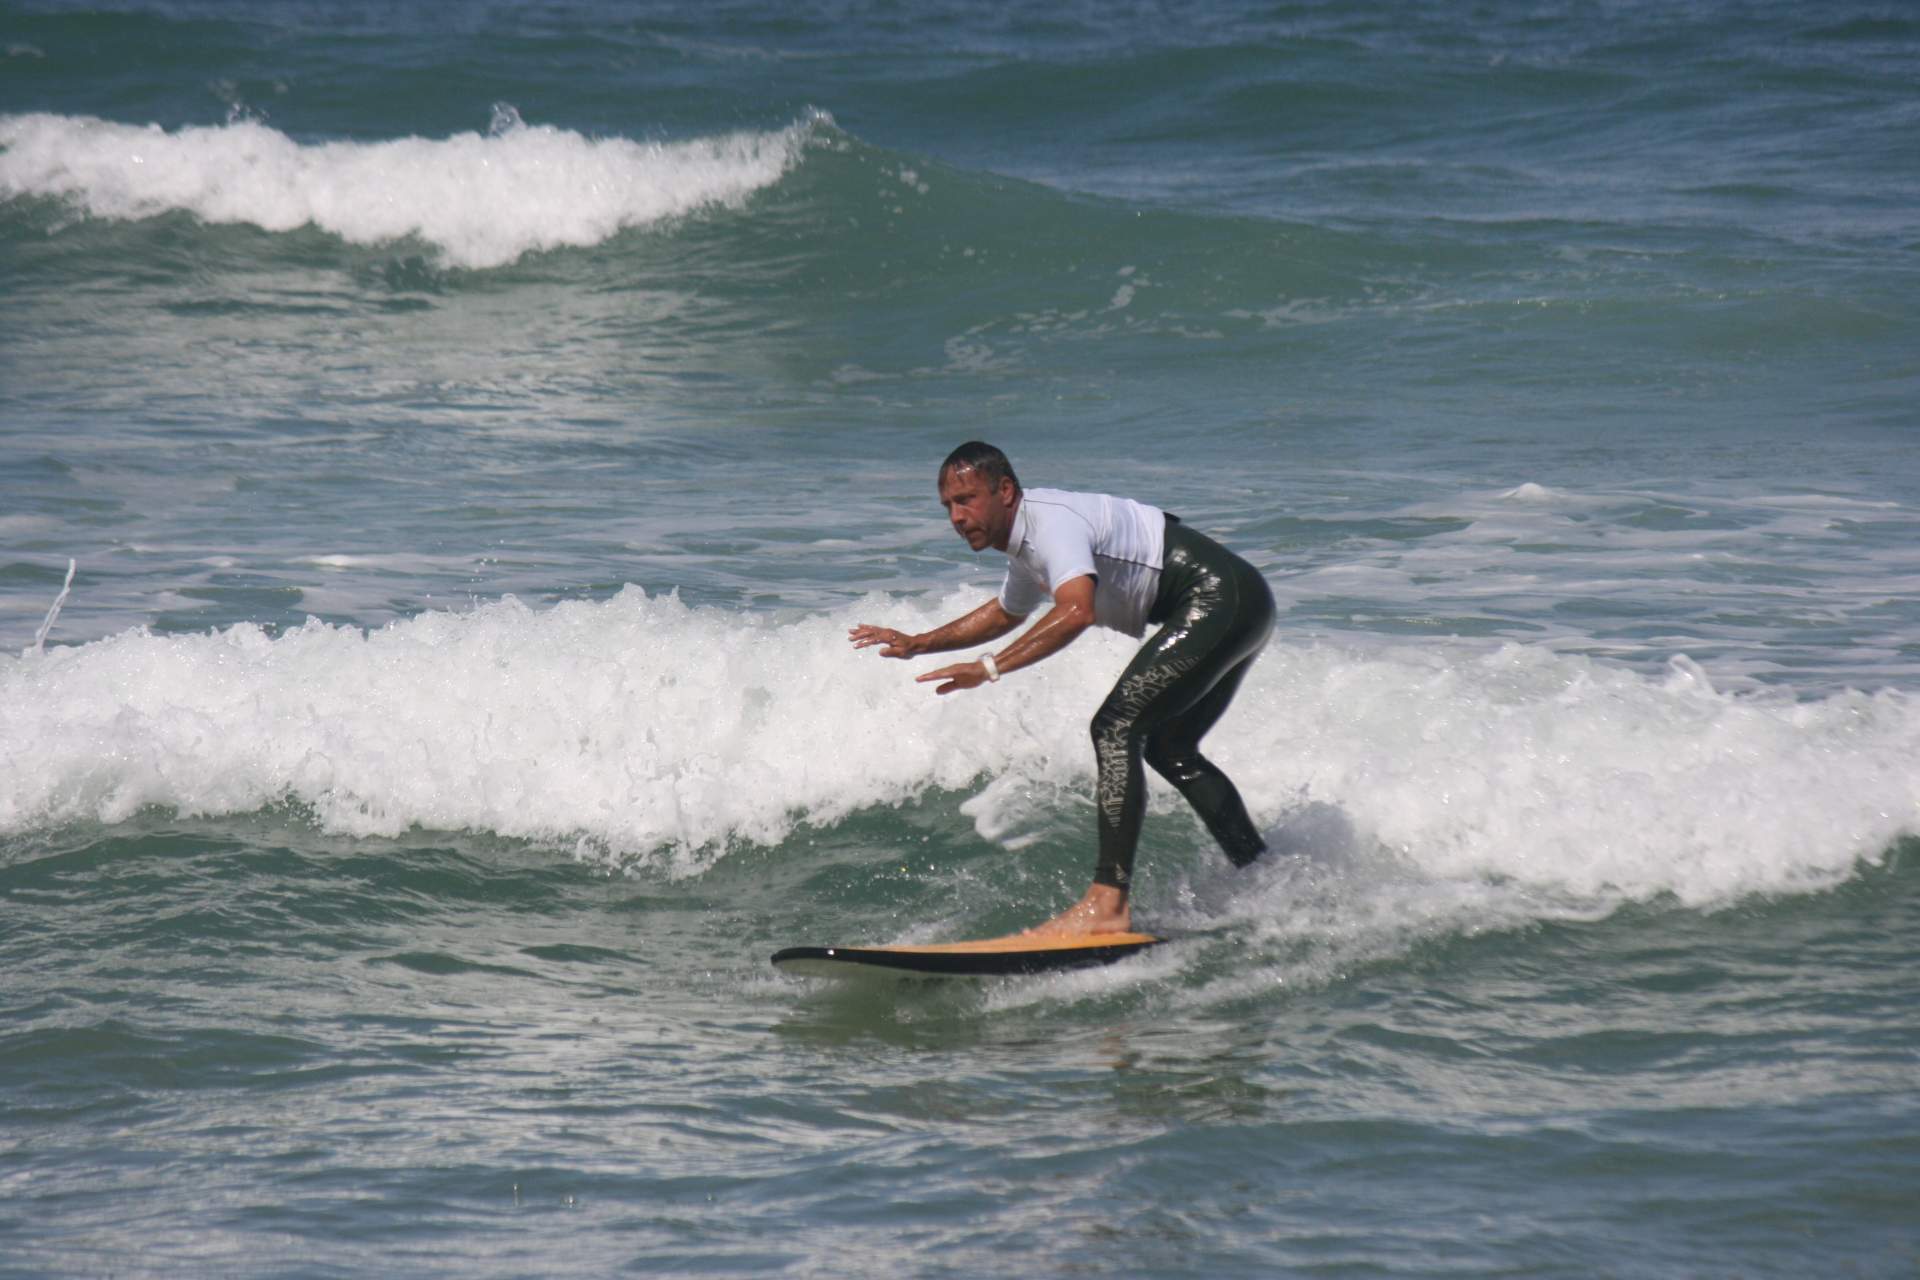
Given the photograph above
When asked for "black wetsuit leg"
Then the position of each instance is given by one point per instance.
(1218, 613)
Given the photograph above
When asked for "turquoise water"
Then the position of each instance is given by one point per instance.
(474, 430)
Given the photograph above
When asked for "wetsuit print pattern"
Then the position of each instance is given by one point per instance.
(1218, 613)
(1121, 789)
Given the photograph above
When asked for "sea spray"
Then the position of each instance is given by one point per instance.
(53, 612)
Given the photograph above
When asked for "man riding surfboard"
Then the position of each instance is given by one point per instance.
(1112, 562)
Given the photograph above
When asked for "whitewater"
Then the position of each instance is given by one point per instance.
(645, 732)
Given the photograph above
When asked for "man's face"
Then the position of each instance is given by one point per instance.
(980, 512)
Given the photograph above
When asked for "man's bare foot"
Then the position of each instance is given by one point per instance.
(1103, 910)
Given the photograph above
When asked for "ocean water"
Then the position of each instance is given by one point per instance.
(442, 450)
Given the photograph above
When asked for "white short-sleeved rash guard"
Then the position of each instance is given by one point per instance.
(1058, 536)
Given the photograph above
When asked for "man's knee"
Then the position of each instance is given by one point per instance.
(1111, 728)
(1174, 759)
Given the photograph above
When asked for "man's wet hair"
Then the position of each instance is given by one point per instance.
(978, 455)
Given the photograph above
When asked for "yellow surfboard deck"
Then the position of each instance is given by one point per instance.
(985, 958)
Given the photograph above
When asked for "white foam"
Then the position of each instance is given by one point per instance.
(1572, 777)
(483, 200)
(1531, 492)
(649, 733)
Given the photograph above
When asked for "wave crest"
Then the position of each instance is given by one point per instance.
(641, 729)
(483, 200)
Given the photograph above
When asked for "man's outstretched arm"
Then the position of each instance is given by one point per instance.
(1071, 614)
(988, 622)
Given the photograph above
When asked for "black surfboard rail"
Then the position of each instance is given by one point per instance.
(972, 960)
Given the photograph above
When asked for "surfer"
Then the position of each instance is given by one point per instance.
(1112, 562)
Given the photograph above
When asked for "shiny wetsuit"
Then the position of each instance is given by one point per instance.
(1215, 612)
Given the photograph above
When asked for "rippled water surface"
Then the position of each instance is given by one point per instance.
(472, 432)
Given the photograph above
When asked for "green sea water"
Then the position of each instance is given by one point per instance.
(473, 430)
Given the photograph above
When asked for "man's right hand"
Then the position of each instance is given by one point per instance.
(898, 643)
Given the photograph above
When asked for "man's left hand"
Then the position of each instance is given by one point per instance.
(962, 675)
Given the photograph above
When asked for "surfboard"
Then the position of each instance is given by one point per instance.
(988, 958)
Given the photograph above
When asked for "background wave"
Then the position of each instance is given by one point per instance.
(480, 201)
(845, 261)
